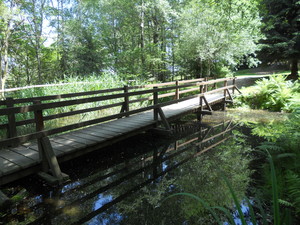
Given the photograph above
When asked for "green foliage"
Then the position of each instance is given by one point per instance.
(281, 18)
(275, 94)
(217, 33)
(72, 85)
(284, 149)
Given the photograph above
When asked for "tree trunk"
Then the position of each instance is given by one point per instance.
(142, 40)
(294, 69)
(4, 70)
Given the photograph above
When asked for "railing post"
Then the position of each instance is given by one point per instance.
(225, 85)
(233, 83)
(177, 90)
(225, 91)
(205, 87)
(199, 115)
(126, 99)
(38, 117)
(215, 86)
(155, 102)
(12, 127)
(39, 126)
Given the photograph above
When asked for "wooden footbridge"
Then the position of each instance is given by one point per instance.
(39, 134)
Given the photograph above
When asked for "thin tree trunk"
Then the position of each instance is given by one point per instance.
(4, 70)
(294, 68)
(142, 44)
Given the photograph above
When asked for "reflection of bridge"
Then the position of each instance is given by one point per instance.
(25, 151)
(112, 183)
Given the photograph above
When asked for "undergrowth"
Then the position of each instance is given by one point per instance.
(274, 94)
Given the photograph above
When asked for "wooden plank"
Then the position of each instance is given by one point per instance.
(96, 131)
(117, 130)
(26, 151)
(72, 143)
(105, 131)
(87, 136)
(17, 159)
(60, 149)
(34, 146)
(7, 166)
(69, 136)
(99, 131)
(133, 124)
(119, 126)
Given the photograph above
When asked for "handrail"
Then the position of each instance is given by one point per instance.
(190, 88)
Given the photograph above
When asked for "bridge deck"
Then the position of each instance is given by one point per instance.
(24, 160)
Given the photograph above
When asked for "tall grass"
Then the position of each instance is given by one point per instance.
(72, 85)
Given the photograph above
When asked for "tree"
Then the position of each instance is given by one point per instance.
(217, 33)
(9, 23)
(282, 30)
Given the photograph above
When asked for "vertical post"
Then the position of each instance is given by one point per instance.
(233, 83)
(199, 115)
(225, 92)
(126, 99)
(177, 90)
(39, 126)
(215, 86)
(155, 102)
(225, 85)
(12, 127)
(205, 87)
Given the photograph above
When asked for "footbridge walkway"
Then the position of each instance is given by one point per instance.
(41, 132)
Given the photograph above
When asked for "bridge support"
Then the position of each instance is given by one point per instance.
(4, 200)
(230, 101)
(204, 102)
(47, 156)
(50, 163)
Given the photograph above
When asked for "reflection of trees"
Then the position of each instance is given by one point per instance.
(132, 190)
(200, 176)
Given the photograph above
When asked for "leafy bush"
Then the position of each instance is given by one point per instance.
(275, 94)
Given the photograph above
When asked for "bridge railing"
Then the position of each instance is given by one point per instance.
(36, 111)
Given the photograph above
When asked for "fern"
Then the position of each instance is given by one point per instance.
(293, 186)
(270, 146)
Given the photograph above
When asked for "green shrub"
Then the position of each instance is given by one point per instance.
(274, 94)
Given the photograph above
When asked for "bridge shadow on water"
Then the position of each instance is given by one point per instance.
(126, 182)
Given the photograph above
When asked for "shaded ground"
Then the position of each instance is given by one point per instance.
(264, 70)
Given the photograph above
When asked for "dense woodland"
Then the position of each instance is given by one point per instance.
(43, 41)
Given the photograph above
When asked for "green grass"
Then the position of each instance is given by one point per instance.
(258, 72)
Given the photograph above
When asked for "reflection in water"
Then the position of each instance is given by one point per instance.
(127, 183)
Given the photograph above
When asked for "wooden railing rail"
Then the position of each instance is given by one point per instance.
(176, 89)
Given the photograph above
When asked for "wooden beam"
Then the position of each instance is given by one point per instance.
(4, 200)
(205, 112)
(206, 103)
(164, 119)
(12, 128)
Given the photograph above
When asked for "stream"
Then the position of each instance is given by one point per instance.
(150, 179)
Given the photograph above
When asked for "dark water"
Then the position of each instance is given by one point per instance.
(131, 182)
